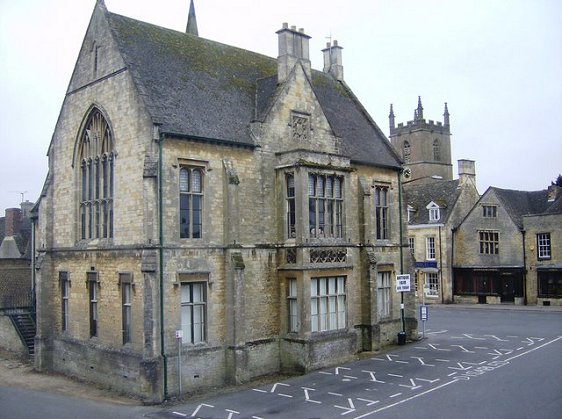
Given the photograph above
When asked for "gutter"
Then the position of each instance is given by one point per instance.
(160, 140)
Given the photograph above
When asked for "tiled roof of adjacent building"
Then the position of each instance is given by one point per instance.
(520, 203)
(202, 89)
(443, 192)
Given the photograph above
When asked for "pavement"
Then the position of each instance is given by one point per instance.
(17, 370)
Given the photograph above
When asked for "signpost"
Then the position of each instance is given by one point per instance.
(402, 286)
(424, 315)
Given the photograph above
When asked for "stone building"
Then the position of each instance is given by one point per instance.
(201, 198)
(15, 257)
(507, 250)
(543, 251)
(436, 203)
(16, 303)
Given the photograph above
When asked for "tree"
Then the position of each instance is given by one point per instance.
(558, 181)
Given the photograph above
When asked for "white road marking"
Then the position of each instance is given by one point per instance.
(421, 361)
(349, 409)
(372, 373)
(435, 346)
(464, 349)
(307, 396)
(369, 402)
(472, 337)
(497, 338)
(199, 407)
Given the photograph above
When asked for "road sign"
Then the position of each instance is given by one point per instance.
(424, 313)
(403, 283)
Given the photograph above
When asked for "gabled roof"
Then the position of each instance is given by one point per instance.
(520, 203)
(202, 89)
(442, 192)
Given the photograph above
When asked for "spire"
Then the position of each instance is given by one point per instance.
(419, 111)
(192, 21)
(391, 118)
(446, 115)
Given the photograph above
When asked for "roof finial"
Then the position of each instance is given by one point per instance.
(419, 111)
(391, 118)
(192, 21)
(446, 115)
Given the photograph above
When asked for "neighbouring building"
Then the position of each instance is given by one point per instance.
(436, 203)
(16, 302)
(543, 251)
(201, 198)
(507, 249)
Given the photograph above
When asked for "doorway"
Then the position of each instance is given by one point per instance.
(508, 290)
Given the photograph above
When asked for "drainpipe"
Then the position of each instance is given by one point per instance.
(161, 263)
(452, 265)
(441, 264)
(33, 277)
(401, 250)
(524, 269)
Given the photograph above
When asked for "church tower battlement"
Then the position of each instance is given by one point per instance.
(424, 145)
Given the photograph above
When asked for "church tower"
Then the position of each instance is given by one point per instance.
(425, 146)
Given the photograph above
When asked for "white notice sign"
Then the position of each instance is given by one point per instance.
(403, 283)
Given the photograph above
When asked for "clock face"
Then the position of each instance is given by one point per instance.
(407, 172)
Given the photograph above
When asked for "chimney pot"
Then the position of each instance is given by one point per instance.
(293, 28)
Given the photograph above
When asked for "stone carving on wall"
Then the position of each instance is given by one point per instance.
(300, 127)
(328, 255)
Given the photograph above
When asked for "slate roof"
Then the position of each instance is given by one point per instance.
(520, 203)
(202, 89)
(443, 192)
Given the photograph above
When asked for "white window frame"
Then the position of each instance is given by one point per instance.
(383, 294)
(292, 306)
(193, 312)
(544, 249)
(434, 211)
(327, 303)
(430, 248)
(431, 288)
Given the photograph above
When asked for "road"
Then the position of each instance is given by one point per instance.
(473, 362)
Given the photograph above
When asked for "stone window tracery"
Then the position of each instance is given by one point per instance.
(436, 150)
(97, 157)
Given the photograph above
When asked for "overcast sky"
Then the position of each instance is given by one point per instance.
(497, 63)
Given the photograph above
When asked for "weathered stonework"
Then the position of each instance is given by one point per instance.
(241, 256)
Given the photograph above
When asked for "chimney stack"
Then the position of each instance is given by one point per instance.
(12, 222)
(467, 171)
(333, 63)
(293, 48)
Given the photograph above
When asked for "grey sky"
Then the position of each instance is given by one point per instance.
(497, 63)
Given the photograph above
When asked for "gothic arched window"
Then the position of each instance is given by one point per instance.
(97, 162)
(436, 150)
(407, 152)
